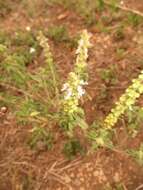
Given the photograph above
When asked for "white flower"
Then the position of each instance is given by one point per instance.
(81, 91)
(82, 82)
(32, 50)
(65, 86)
(121, 2)
(81, 44)
(28, 28)
(69, 94)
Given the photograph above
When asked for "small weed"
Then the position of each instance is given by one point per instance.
(40, 136)
(58, 33)
(14, 71)
(108, 76)
(137, 154)
(134, 20)
(120, 52)
(101, 27)
(72, 148)
(118, 186)
(103, 94)
(100, 5)
(99, 136)
(4, 38)
(24, 38)
(113, 7)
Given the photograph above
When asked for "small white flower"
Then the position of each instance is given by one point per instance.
(81, 44)
(32, 50)
(28, 28)
(65, 86)
(121, 2)
(82, 82)
(81, 91)
(69, 94)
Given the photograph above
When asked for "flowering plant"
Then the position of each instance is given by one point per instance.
(73, 89)
(126, 101)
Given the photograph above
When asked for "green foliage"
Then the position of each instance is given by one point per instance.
(109, 76)
(117, 186)
(61, 34)
(13, 70)
(58, 33)
(40, 136)
(134, 19)
(134, 119)
(3, 49)
(26, 90)
(137, 154)
(50, 69)
(120, 52)
(72, 148)
(99, 136)
(8, 99)
(5, 38)
(100, 5)
(24, 38)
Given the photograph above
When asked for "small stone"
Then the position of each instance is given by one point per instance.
(116, 177)
(3, 109)
(96, 173)
(67, 179)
